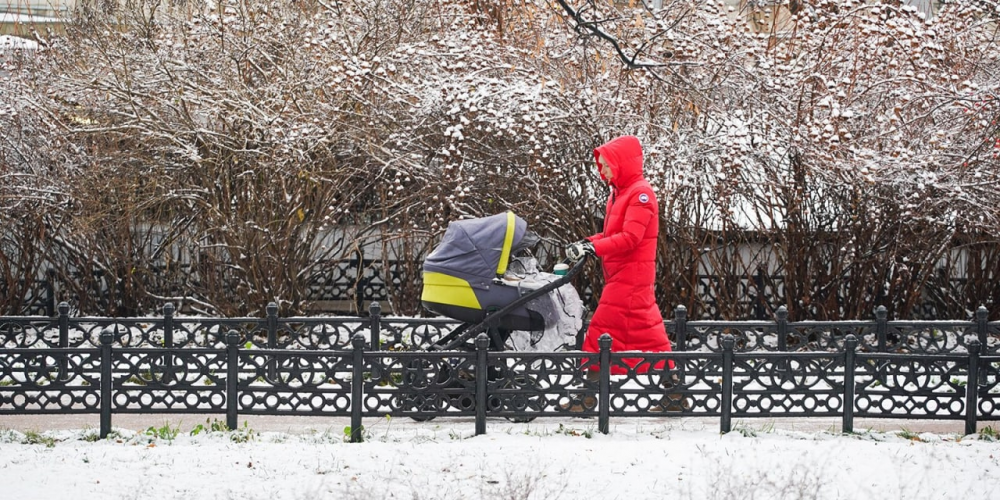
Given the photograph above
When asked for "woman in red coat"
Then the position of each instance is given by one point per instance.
(627, 247)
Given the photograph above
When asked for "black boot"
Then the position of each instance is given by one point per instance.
(672, 401)
(579, 404)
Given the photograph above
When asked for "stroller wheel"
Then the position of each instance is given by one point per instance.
(521, 420)
(428, 402)
(521, 397)
(423, 382)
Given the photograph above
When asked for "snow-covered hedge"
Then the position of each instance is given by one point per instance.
(851, 146)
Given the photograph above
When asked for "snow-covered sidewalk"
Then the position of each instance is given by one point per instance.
(294, 458)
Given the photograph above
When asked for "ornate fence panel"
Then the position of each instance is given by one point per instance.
(926, 386)
(168, 381)
(987, 398)
(294, 382)
(644, 382)
(788, 384)
(50, 381)
(421, 385)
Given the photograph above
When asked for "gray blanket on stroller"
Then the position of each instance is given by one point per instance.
(561, 309)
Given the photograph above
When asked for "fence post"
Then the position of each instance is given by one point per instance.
(680, 327)
(168, 324)
(881, 334)
(63, 324)
(272, 339)
(375, 325)
(680, 332)
(482, 346)
(728, 343)
(972, 388)
(107, 337)
(168, 341)
(850, 349)
(982, 329)
(63, 338)
(604, 386)
(272, 325)
(783, 365)
(781, 320)
(232, 378)
(881, 328)
(982, 325)
(357, 384)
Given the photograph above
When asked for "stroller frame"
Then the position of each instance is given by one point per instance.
(462, 338)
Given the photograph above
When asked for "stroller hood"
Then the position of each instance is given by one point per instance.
(478, 248)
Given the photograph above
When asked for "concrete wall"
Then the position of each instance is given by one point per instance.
(37, 7)
(22, 17)
(22, 25)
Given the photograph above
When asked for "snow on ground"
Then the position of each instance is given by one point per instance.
(545, 459)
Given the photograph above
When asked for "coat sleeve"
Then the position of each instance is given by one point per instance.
(638, 214)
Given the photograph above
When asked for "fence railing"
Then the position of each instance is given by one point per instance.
(364, 368)
(347, 285)
(878, 334)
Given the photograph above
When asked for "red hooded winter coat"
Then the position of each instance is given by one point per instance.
(627, 248)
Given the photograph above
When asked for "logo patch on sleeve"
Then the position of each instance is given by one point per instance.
(643, 197)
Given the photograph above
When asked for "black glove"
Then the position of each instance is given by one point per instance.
(576, 251)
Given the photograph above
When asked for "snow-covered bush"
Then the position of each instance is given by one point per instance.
(211, 153)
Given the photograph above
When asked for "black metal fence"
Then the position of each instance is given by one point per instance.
(365, 368)
(343, 285)
(347, 285)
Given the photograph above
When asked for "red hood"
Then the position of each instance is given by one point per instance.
(624, 156)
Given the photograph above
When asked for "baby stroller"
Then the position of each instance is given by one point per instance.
(482, 274)
(476, 275)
